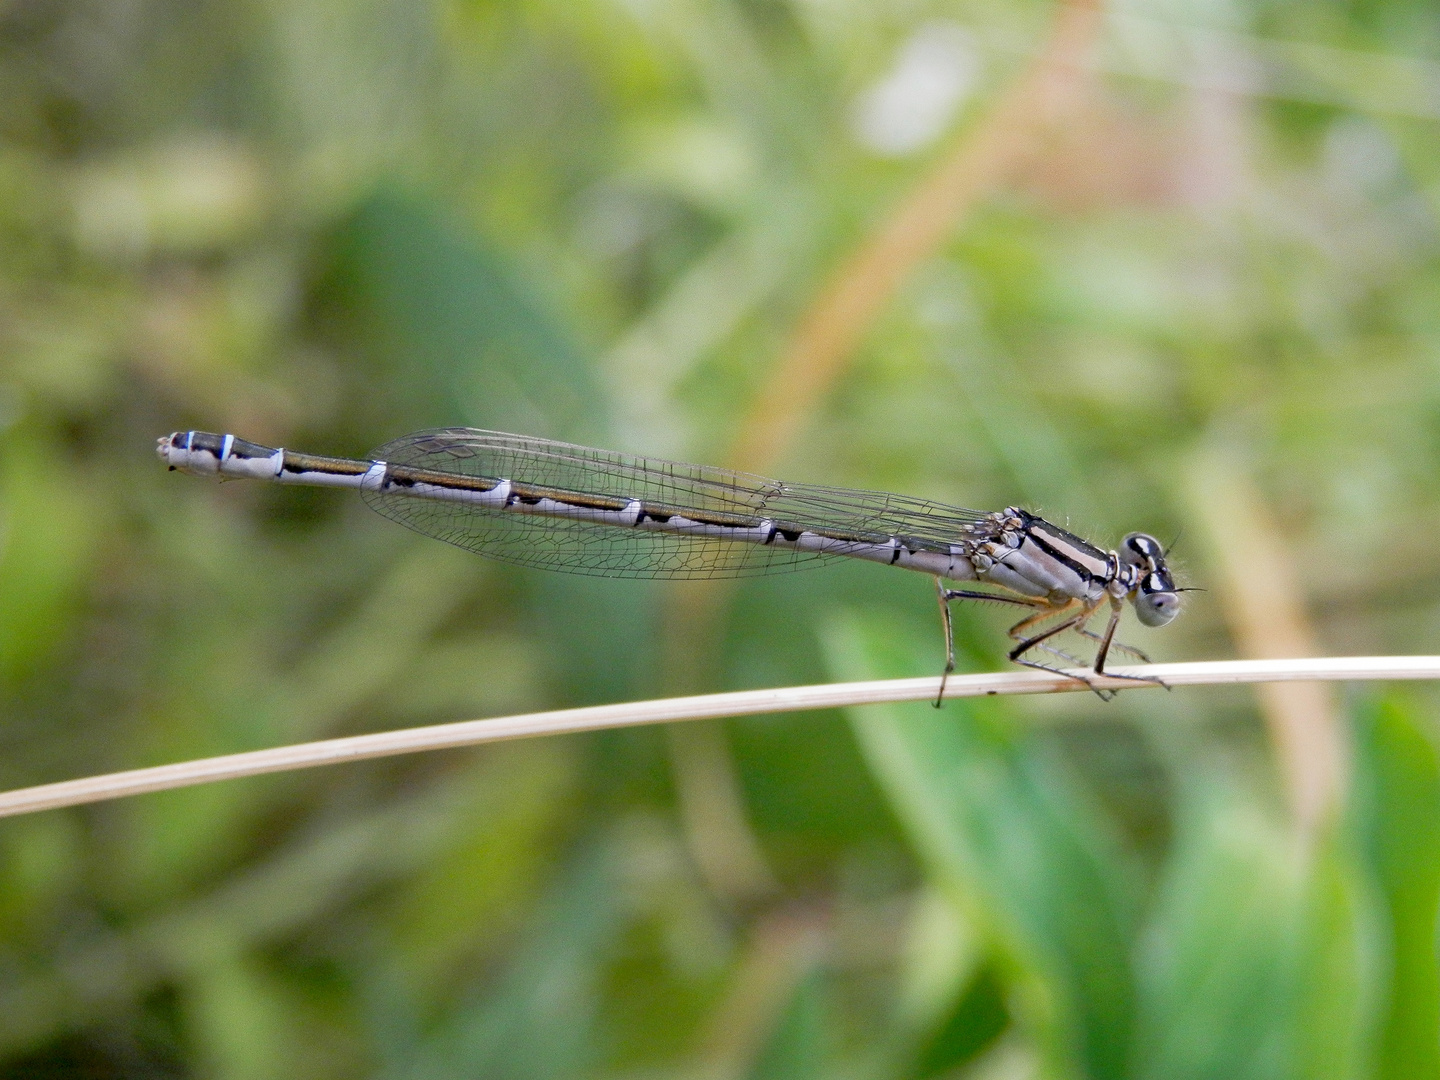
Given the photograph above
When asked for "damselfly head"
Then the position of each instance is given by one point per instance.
(1156, 599)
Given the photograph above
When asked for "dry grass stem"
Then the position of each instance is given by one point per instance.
(702, 707)
(1264, 606)
(985, 155)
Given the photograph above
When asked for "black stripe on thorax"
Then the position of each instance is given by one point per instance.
(1066, 548)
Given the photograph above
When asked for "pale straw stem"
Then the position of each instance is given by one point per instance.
(702, 707)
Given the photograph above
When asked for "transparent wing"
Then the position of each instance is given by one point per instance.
(615, 551)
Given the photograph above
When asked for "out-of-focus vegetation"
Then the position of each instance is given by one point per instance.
(1206, 303)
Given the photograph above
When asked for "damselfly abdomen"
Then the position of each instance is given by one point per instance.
(540, 503)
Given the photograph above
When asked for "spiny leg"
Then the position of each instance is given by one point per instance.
(1128, 650)
(1104, 651)
(1076, 623)
(1055, 650)
(949, 639)
(1017, 654)
(1048, 611)
(1061, 653)
(947, 595)
(975, 594)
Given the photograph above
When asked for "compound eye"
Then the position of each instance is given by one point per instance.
(1157, 608)
(1137, 549)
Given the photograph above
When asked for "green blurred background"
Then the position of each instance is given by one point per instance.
(1192, 287)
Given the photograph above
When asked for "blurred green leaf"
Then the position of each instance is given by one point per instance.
(1220, 944)
(1398, 821)
(47, 541)
(1339, 970)
(41, 862)
(978, 1018)
(447, 328)
(533, 1021)
(798, 1048)
(1258, 957)
(242, 1020)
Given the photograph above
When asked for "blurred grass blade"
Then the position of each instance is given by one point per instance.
(1337, 976)
(1264, 601)
(1212, 971)
(1398, 818)
(308, 879)
(986, 153)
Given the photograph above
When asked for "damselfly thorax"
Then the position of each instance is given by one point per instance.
(553, 505)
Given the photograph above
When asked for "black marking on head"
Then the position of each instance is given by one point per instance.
(895, 555)
(1145, 546)
(1157, 582)
(771, 533)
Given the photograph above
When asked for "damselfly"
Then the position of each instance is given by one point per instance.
(534, 502)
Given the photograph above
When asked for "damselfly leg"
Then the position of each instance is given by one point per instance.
(1118, 646)
(1070, 619)
(946, 595)
(1107, 642)
(1019, 630)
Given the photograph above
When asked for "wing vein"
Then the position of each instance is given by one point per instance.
(672, 487)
